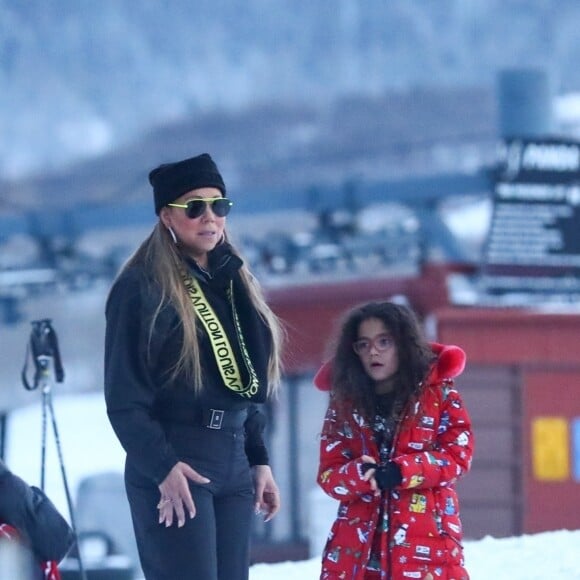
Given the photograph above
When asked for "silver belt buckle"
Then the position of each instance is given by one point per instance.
(216, 419)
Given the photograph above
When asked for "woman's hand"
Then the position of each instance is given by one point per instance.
(266, 492)
(175, 494)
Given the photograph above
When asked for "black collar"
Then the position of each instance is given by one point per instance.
(223, 265)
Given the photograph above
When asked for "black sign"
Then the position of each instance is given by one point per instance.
(534, 240)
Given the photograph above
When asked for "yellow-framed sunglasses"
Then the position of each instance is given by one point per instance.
(195, 208)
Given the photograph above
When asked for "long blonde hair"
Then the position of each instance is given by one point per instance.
(164, 260)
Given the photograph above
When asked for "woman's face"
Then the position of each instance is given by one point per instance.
(377, 350)
(199, 235)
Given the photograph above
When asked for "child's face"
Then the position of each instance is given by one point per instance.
(377, 350)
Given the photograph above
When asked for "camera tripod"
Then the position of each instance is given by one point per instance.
(43, 350)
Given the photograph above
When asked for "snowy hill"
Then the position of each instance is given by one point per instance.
(80, 78)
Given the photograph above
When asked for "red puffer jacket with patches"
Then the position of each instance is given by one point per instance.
(418, 521)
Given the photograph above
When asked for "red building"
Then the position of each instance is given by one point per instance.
(522, 386)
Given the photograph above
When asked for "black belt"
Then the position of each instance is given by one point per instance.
(222, 419)
(205, 417)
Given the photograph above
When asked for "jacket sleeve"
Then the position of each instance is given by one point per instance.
(451, 454)
(254, 427)
(27, 509)
(129, 387)
(340, 469)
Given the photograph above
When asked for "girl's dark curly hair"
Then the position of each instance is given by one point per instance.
(351, 385)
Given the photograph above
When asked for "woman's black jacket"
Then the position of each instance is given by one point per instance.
(140, 394)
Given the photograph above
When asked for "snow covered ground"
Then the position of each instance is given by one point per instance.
(89, 447)
(547, 556)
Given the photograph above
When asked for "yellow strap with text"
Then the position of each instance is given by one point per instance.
(220, 343)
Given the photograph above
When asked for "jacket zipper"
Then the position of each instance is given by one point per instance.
(389, 551)
(389, 530)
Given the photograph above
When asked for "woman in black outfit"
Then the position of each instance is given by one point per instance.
(191, 352)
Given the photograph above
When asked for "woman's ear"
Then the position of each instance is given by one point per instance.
(165, 217)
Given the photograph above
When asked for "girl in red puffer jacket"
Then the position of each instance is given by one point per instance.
(395, 439)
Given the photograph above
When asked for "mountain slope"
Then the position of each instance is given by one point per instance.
(78, 78)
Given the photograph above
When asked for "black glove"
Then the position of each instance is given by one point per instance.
(387, 476)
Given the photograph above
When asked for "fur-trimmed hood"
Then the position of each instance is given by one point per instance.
(449, 364)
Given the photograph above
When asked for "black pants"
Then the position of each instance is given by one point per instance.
(215, 544)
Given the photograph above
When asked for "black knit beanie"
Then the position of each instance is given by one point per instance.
(172, 180)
